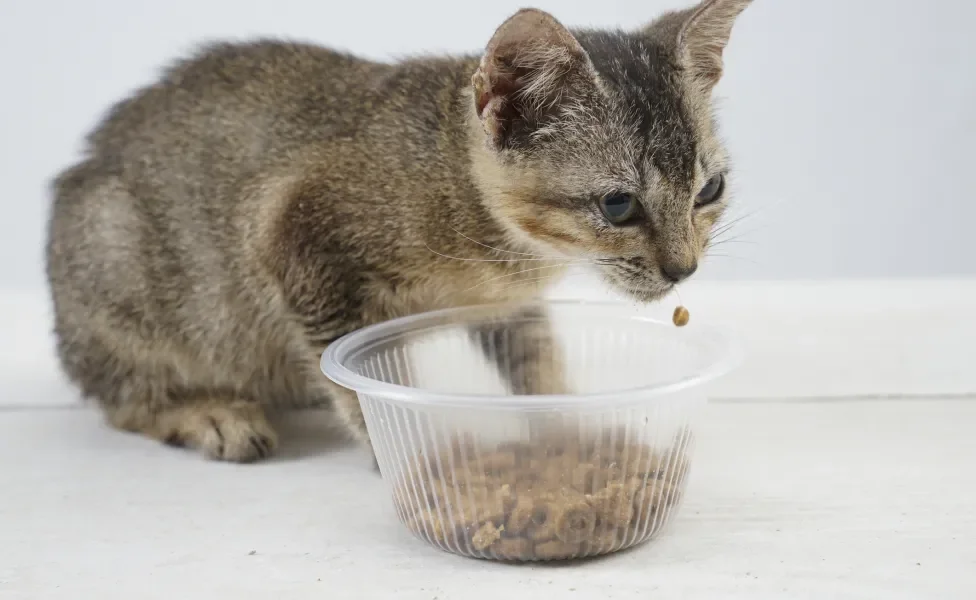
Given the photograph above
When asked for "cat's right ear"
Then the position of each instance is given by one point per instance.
(527, 66)
(700, 35)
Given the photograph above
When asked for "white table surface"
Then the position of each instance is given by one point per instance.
(825, 500)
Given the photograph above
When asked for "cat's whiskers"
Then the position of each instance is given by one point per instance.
(720, 236)
(733, 257)
(722, 230)
(732, 240)
(715, 243)
(517, 273)
(500, 260)
(533, 281)
(502, 250)
(725, 227)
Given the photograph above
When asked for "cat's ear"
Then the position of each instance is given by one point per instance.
(702, 36)
(528, 66)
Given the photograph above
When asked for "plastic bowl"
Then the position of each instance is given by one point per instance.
(481, 467)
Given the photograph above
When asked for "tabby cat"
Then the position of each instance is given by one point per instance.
(261, 199)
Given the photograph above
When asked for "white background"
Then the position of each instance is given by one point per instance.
(830, 467)
(851, 121)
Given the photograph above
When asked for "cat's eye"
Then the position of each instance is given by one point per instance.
(712, 191)
(619, 208)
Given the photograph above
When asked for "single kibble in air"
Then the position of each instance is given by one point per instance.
(680, 316)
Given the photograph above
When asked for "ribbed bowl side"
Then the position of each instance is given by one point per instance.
(539, 486)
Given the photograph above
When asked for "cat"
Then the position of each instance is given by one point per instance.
(262, 199)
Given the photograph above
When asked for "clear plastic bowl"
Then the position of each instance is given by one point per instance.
(482, 465)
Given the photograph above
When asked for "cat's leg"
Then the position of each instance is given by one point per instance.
(316, 334)
(344, 402)
(220, 427)
(319, 325)
(163, 396)
(350, 413)
(159, 361)
(530, 360)
(529, 357)
(325, 291)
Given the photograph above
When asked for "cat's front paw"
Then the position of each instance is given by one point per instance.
(236, 432)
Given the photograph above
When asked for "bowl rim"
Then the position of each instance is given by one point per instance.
(331, 363)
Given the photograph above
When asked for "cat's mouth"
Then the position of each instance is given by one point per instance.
(644, 289)
(649, 294)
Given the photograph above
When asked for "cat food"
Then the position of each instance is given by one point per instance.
(681, 316)
(556, 500)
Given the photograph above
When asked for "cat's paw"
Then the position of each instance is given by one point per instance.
(236, 432)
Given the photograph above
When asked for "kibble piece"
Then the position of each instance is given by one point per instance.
(542, 526)
(574, 520)
(474, 512)
(514, 548)
(506, 497)
(520, 518)
(681, 316)
(614, 505)
(555, 550)
(487, 535)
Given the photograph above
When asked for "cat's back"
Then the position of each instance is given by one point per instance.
(156, 213)
(243, 98)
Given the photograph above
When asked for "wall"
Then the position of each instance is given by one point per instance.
(850, 120)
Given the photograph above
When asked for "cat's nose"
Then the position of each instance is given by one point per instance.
(676, 272)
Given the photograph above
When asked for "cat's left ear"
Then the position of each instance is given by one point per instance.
(530, 65)
(703, 36)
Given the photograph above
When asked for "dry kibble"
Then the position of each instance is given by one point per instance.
(556, 549)
(614, 505)
(520, 519)
(487, 535)
(506, 498)
(557, 498)
(574, 519)
(516, 548)
(681, 316)
(542, 524)
(475, 511)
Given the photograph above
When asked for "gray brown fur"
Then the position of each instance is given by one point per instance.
(262, 199)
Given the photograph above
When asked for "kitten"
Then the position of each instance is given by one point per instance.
(260, 200)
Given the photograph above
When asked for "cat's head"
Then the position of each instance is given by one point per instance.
(601, 145)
